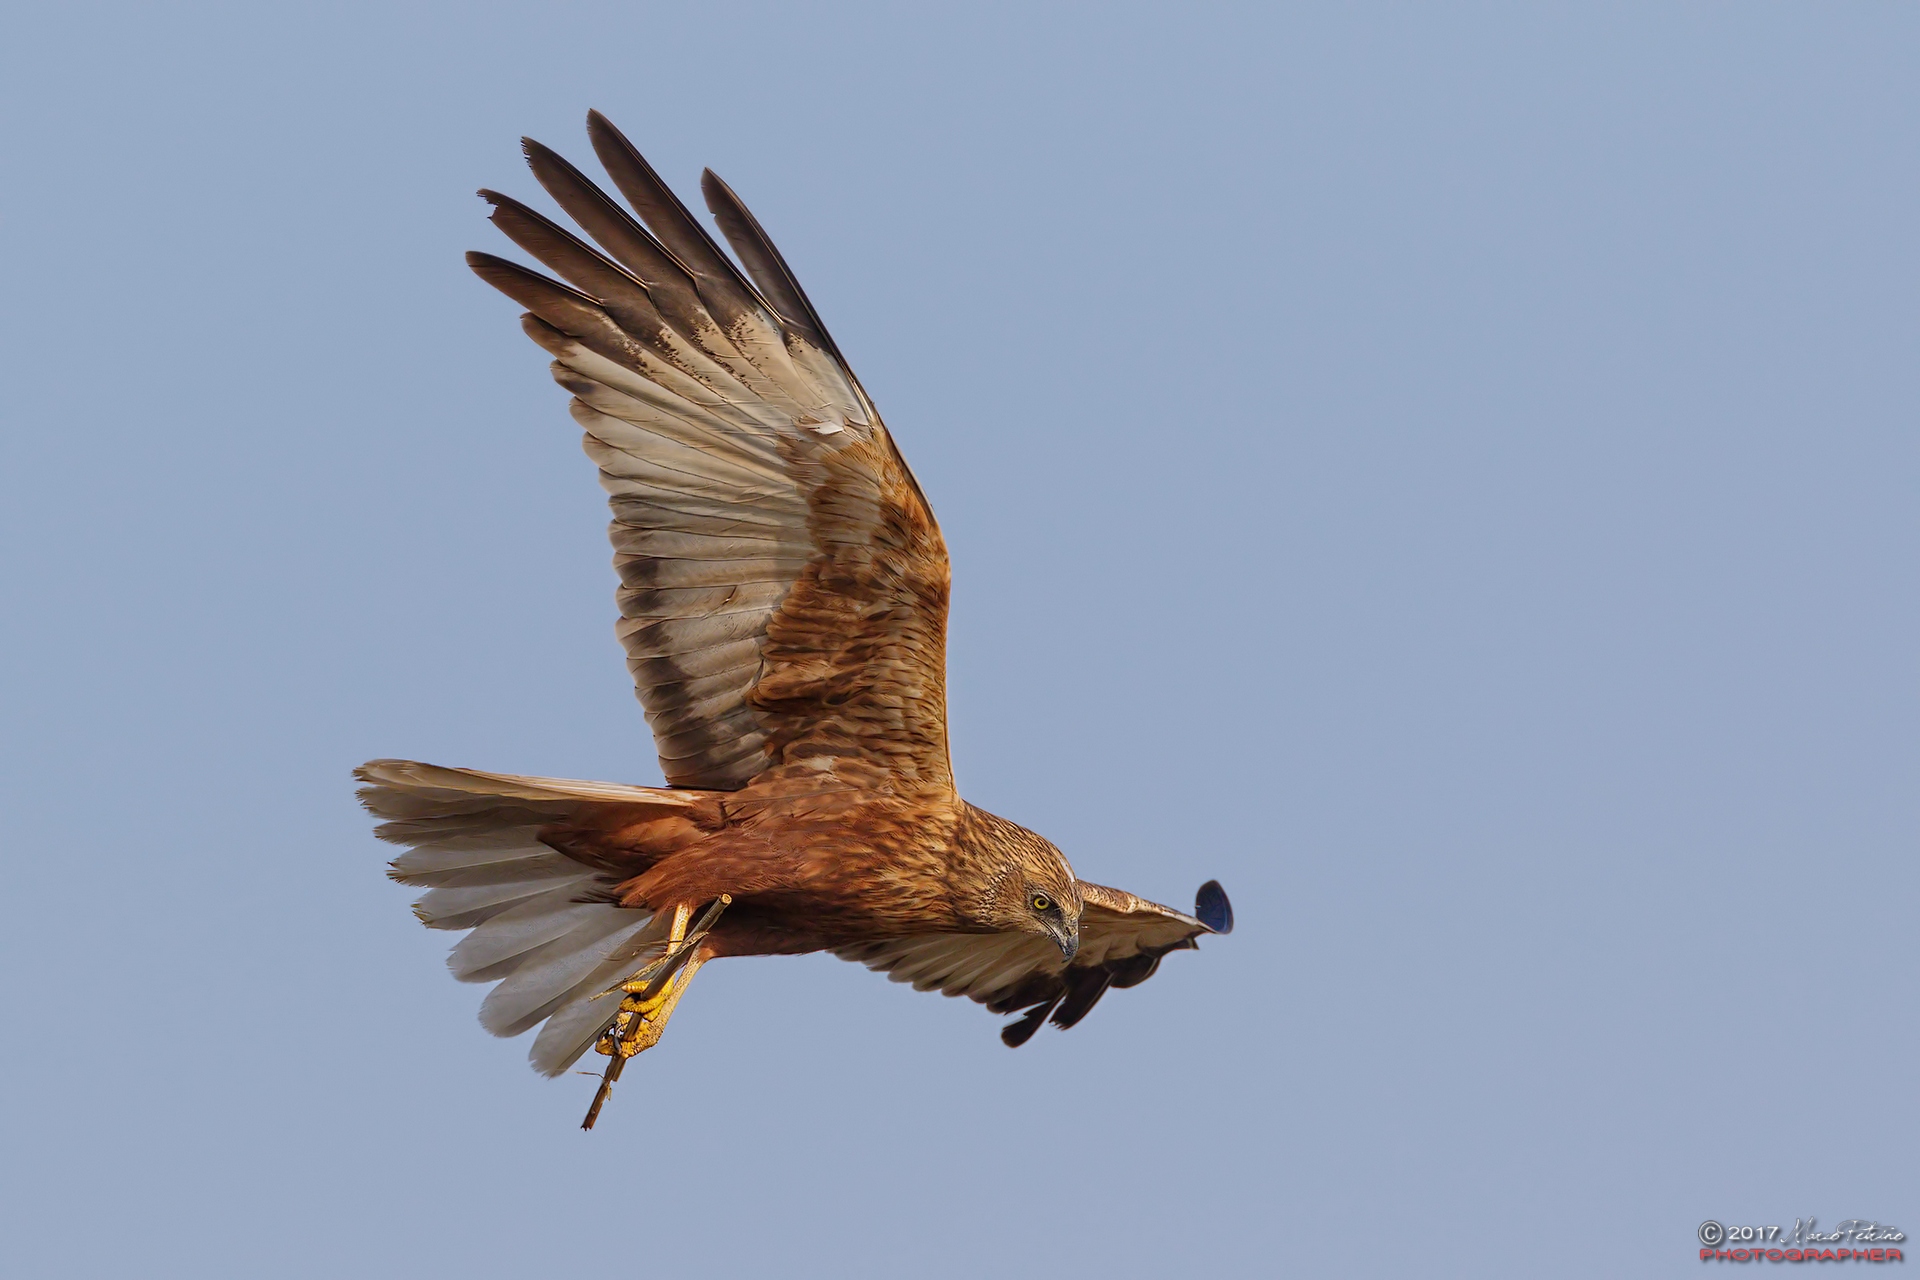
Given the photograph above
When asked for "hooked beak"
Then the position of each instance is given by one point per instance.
(1067, 935)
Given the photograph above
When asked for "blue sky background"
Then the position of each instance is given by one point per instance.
(1447, 471)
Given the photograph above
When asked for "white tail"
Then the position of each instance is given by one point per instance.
(475, 846)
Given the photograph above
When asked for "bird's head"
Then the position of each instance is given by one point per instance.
(1029, 886)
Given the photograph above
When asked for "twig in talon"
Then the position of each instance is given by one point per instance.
(676, 951)
(643, 976)
(616, 1062)
(662, 970)
(601, 1094)
(712, 913)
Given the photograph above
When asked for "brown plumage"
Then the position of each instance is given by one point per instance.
(783, 605)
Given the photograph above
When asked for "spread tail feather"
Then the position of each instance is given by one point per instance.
(538, 929)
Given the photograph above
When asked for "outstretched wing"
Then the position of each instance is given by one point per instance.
(1121, 941)
(783, 595)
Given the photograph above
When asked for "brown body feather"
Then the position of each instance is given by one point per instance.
(814, 870)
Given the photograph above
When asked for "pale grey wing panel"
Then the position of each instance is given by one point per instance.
(975, 965)
(1122, 938)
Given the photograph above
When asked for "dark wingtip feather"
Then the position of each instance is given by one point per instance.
(1211, 908)
(528, 288)
(669, 220)
(1015, 1034)
(1084, 989)
(1134, 970)
(764, 263)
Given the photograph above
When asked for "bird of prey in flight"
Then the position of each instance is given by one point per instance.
(783, 605)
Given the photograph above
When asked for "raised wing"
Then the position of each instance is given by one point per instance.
(783, 596)
(1121, 941)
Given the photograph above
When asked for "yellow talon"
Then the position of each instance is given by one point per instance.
(636, 1027)
(639, 1022)
(649, 1017)
(634, 1004)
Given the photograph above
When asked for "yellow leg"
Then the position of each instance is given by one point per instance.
(678, 934)
(676, 939)
(642, 1019)
(652, 1013)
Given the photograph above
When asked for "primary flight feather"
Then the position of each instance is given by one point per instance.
(783, 605)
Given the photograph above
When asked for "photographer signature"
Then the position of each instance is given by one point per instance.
(1852, 1231)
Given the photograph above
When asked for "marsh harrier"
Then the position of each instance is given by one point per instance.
(783, 604)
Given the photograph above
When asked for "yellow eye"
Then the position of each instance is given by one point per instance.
(1041, 902)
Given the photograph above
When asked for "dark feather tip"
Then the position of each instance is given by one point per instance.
(1015, 1034)
(1211, 908)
